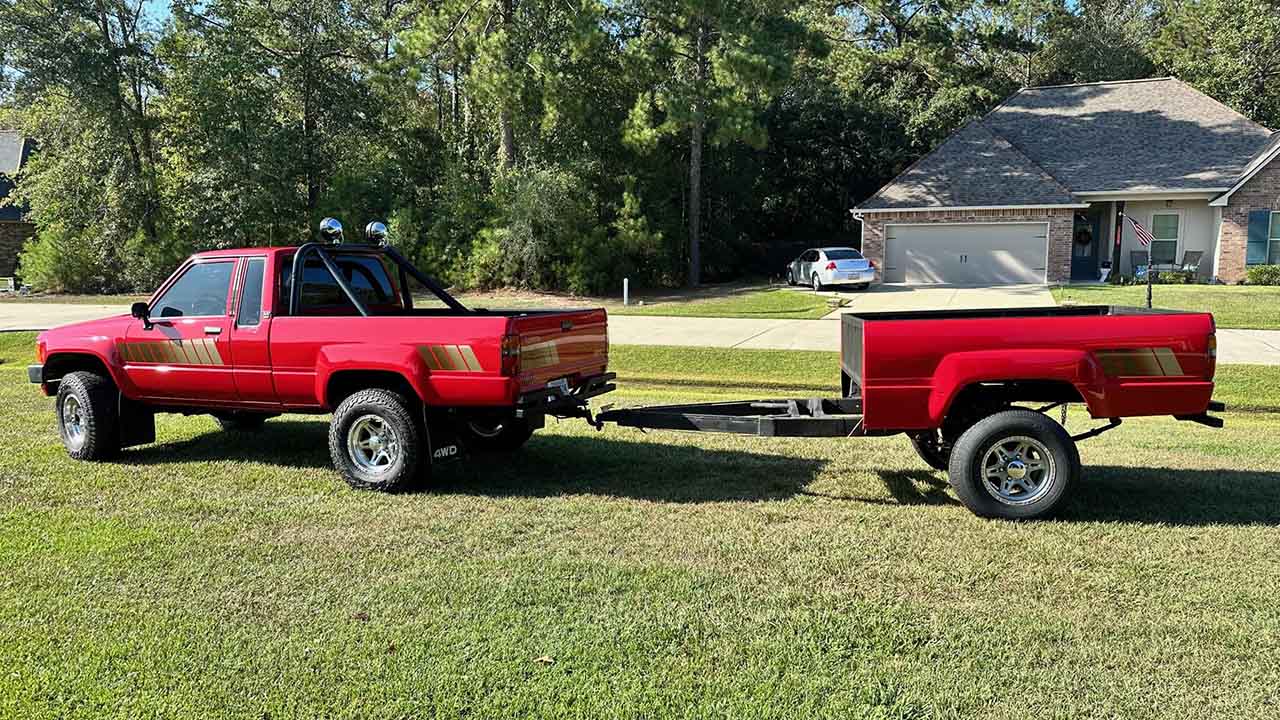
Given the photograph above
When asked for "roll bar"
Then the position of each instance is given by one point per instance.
(322, 251)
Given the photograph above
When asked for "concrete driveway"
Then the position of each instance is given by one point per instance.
(17, 315)
(942, 297)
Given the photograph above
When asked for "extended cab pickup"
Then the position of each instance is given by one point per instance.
(408, 372)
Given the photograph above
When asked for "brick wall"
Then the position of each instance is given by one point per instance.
(1262, 192)
(1061, 228)
(12, 236)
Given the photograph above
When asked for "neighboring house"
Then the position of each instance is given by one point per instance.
(1030, 192)
(14, 230)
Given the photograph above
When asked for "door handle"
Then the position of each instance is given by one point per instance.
(212, 330)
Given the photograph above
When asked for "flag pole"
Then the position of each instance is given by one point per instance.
(1149, 272)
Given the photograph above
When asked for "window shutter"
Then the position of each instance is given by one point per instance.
(1259, 229)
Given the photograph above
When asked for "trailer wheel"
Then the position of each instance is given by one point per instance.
(496, 435)
(374, 441)
(1015, 465)
(88, 416)
(929, 447)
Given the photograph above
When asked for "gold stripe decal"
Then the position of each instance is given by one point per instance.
(192, 351)
(453, 358)
(1142, 362)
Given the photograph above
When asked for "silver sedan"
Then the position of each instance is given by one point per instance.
(820, 267)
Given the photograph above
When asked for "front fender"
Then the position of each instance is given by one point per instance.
(959, 370)
(403, 360)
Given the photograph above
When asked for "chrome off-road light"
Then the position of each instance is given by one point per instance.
(331, 230)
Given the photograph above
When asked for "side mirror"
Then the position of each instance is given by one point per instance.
(140, 311)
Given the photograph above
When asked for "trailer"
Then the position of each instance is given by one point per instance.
(973, 390)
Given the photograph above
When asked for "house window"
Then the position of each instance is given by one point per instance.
(1273, 257)
(1165, 228)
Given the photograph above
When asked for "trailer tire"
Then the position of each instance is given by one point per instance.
(88, 415)
(927, 446)
(1014, 465)
(504, 435)
(375, 441)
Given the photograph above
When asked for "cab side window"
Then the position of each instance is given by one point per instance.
(250, 311)
(201, 291)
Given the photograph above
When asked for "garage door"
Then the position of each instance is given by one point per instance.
(971, 254)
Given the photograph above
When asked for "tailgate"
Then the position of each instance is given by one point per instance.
(571, 344)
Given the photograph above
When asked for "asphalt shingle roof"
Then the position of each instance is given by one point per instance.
(972, 167)
(13, 152)
(1136, 135)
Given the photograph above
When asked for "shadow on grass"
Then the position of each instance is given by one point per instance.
(1176, 497)
(549, 465)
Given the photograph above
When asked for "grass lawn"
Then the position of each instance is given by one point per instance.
(740, 300)
(622, 574)
(1233, 306)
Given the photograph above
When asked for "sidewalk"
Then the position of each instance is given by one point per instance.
(1261, 347)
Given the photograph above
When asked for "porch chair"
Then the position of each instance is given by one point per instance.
(1191, 262)
(8, 285)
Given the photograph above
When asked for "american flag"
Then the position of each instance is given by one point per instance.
(1144, 236)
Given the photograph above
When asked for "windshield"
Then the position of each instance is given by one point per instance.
(843, 254)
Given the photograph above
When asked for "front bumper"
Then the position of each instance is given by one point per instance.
(35, 374)
(560, 400)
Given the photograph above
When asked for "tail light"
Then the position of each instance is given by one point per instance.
(872, 263)
(510, 354)
(1212, 352)
(831, 265)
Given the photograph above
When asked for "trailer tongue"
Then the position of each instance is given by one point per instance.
(809, 417)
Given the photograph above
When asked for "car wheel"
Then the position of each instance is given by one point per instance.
(88, 416)
(374, 441)
(791, 278)
(929, 447)
(817, 284)
(240, 421)
(497, 434)
(1015, 464)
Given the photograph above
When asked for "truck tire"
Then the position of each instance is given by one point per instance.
(505, 435)
(239, 421)
(88, 416)
(375, 441)
(928, 447)
(1015, 465)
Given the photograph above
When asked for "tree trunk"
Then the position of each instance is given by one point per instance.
(697, 131)
(507, 133)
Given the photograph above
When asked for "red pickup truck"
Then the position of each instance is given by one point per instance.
(408, 372)
(973, 389)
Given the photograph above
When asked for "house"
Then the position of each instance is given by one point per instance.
(14, 229)
(1031, 192)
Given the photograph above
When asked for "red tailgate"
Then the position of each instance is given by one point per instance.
(568, 344)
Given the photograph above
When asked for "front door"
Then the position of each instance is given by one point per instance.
(185, 356)
(1086, 244)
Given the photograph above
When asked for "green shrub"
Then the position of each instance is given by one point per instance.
(1263, 275)
(56, 260)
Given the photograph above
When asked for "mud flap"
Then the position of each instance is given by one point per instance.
(444, 444)
(137, 423)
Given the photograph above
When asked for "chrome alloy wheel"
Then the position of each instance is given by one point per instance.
(1018, 470)
(73, 421)
(372, 444)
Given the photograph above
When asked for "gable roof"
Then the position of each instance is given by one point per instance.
(1134, 135)
(973, 167)
(14, 150)
(1259, 161)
